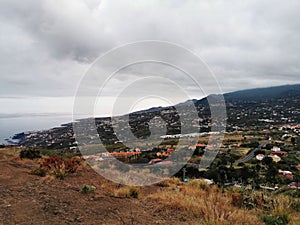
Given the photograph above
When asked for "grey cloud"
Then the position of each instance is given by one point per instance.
(67, 29)
(46, 46)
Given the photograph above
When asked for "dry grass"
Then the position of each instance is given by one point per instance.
(209, 205)
(282, 208)
(241, 151)
(173, 183)
(233, 137)
(127, 192)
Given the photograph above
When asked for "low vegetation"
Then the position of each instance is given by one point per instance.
(88, 189)
(213, 205)
(127, 192)
(56, 165)
(60, 166)
(30, 153)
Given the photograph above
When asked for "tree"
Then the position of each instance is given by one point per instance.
(293, 140)
(267, 161)
(198, 151)
(222, 169)
(269, 146)
(246, 173)
(231, 161)
(271, 173)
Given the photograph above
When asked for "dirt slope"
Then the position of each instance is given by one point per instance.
(29, 199)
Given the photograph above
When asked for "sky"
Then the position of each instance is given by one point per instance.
(48, 46)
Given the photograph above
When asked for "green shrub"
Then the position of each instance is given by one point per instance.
(30, 153)
(275, 220)
(87, 189)
(241, 164)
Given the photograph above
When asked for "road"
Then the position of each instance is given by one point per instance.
(252, 153)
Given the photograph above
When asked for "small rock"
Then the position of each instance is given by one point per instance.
(79, 219)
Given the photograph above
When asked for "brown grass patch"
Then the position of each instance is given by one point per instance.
(209, 205)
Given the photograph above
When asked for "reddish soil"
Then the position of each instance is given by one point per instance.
(30, 199)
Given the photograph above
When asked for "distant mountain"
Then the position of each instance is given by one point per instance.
(265, 93)
(257, 94)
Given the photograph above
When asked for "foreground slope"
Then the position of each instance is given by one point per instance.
(30, 199)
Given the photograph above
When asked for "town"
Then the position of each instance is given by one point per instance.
(260, 146)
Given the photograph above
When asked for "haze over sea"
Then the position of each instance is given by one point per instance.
(11, 124)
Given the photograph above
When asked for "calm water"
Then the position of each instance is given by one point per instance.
(12, 124)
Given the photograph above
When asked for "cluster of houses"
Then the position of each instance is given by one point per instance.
(276, 156)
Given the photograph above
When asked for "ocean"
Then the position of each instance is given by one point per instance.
(11, 124)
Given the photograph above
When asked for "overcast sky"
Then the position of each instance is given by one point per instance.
(47, 46)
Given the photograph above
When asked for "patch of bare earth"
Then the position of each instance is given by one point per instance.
(30, 199)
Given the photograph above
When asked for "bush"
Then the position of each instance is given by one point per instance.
(87, 188)
(241, 164)
(59, 166)
(237, 199)
(280, 219)
(259, 152)
(171, 182)
(134, 192)
(128, 192)
(30, 153)
(39, 172)
(199, 184)
(296, 206)
(162, 184)
(253, 144)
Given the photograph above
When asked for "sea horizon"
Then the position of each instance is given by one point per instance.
(11, 124)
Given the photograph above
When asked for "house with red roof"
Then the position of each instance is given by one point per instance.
(154, 161)
(280, 153)
(286, 173)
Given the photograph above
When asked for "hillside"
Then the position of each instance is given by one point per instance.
(26, 198)
(30, 199)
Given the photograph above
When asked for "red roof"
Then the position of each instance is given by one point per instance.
(165, 162)
(279, 153)
(155, 161)
(170, 150)
(200, 145)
